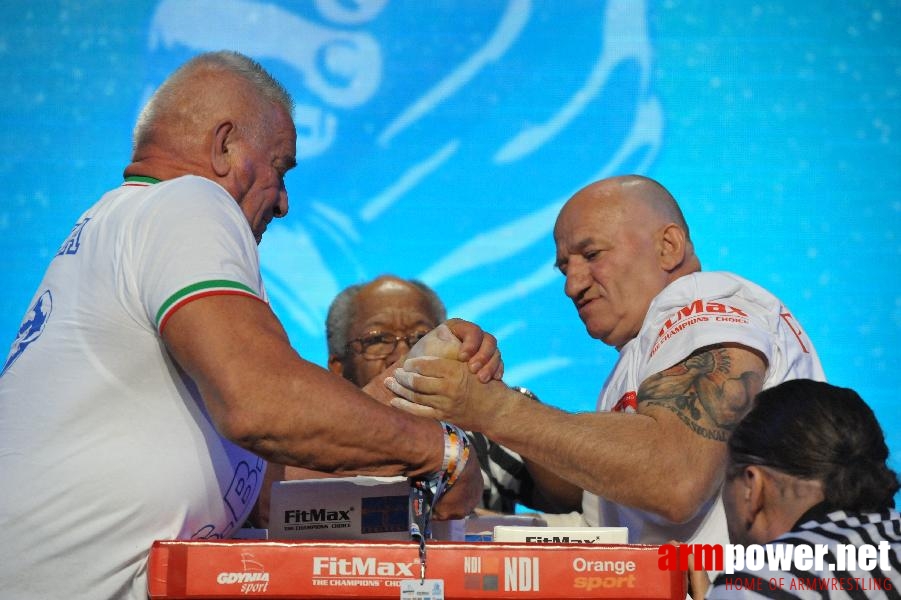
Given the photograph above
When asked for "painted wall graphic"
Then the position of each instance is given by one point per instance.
(438, 140)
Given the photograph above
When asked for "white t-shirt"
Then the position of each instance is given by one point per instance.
(695, 311)
(105, 445)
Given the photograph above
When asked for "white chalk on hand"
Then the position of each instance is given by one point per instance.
(440, 342)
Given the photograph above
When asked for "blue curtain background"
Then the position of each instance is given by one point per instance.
(438, 139)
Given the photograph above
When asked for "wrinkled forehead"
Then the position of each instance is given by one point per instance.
(586, 214)
(605, 211)
(393, 302)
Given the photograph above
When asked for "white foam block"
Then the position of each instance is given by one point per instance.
(359, 508)
(562, 535)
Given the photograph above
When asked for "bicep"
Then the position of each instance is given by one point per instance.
(695, 404)
(229, 345)
(709, 392)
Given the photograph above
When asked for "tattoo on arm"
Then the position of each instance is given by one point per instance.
(710, 391)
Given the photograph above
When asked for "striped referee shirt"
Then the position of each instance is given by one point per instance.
(506, 481)
(817, 528)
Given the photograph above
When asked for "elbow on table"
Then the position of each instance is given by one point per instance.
(681, 501)
(244, 427)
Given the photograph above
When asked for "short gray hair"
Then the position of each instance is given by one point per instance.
(173, 94)
(341, 312)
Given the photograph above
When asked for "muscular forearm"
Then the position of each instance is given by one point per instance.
(550, 492)
(632, 459)
(625, 458)
(325, 424)
(667, 458)
(264, 397)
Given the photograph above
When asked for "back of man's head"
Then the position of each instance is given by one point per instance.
(201, 91)
(816, 431)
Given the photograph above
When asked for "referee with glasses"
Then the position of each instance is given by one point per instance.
(373, 324)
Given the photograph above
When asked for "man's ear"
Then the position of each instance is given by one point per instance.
(335, 365)
(219, 150)
(754, 481)
(672, 246)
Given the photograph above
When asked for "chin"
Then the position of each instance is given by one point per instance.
(599, 334)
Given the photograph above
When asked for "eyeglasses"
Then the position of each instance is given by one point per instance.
(380, 345)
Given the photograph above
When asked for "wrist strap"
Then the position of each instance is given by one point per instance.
(425, 491)
(456, 452)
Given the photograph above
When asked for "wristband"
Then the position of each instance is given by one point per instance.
(456, 453)
(425, 491)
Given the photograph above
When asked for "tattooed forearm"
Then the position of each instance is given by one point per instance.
(719, 435)
(711, 391)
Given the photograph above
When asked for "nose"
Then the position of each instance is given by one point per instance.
(400, 351)
(281, 205)
(397, 352)
(577, 279)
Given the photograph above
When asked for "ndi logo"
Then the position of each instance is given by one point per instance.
(521, 574)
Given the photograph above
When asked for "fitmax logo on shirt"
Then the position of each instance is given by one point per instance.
(695, 312)
(698, 307)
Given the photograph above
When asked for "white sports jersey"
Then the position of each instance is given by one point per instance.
(105, 445)
(695, 311)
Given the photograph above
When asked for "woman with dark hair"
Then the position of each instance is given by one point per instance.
(807, 467)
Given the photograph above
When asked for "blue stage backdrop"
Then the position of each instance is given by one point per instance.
(438, 139)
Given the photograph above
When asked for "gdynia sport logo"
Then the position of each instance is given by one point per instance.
(780, 559)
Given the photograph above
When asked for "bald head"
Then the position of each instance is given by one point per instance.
(620, 241)
(635, 195)
(179, 119)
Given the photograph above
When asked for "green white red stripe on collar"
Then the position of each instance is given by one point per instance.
(140, 180)
(195, 291)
